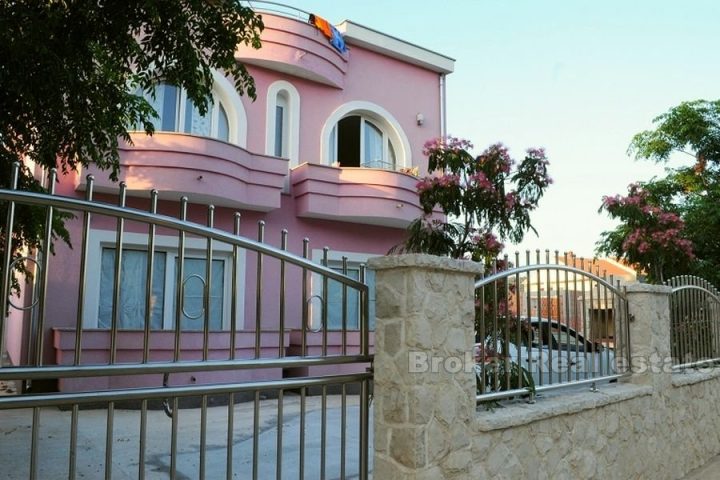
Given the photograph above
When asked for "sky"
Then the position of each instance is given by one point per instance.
(578, 78)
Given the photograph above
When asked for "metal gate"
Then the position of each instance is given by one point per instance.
(694, 322)
(156, 347)
(549, 323)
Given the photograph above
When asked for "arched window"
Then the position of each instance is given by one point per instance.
(177, 113)
(281, 140)
(358, 142)
(361, 134)
(224, 120)
(283, 121)
(223, 129)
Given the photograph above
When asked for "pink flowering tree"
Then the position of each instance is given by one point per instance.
(471, 204)
(650, 236)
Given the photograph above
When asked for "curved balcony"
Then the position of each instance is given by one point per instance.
(204, 169)
(358, 195)
(296, 48)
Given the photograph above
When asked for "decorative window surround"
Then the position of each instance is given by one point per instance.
(194, 248)
(354, 260)
(225, 120)
(393, 133)
(284, 94)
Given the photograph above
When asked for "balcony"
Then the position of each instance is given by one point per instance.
(358, 195)
(204, 169)
(297, 48)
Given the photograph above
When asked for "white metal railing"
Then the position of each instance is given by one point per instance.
(278, 8)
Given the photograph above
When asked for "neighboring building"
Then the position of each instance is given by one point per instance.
(575, 300)
(322, 152)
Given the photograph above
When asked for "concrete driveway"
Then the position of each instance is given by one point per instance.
(54, 440)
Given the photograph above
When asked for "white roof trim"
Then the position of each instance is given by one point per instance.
(375, 41)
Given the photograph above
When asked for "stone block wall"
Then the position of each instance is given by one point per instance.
(653, 424)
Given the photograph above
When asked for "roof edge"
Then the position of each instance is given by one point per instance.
(356, 34)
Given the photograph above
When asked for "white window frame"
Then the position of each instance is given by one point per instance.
(181, 100)
(282, 106)
(364, 119)
(354, 260)
(380, 117)
(223, 93)
(194, 248)
(291, 120)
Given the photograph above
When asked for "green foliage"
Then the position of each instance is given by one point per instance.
(496, 329)
(481, 197)
(69, 68)
(691, 127)
(691, 192)
(651, 235)
(495, 373)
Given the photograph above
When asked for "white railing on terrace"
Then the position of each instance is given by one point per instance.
(278, 8)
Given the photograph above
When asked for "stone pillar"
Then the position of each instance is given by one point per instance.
(649, 307)
(424, 385)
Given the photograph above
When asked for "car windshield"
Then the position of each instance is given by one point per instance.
(556, 337)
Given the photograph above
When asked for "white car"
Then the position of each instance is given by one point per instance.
(551, 352)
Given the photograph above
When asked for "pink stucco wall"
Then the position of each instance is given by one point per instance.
(369, 78)
(205, 169)
(293, 46)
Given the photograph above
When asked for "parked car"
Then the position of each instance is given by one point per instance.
(550, 351)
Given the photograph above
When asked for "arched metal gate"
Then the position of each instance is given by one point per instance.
(258, 357)
(695, 322)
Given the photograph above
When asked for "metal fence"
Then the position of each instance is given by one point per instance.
(548, 323)
(204, 321)
(694, 322)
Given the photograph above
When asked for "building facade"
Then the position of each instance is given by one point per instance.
(329, 151)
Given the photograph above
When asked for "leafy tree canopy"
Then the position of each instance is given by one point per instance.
(486, 199)
(651, 235)
(692, 193)
(69, 71)
(692, 128)
(70, 68)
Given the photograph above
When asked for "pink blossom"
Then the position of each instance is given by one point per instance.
(481, 180)
(536, 152)
(441, 145)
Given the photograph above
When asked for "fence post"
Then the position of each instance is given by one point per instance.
(649, 307)
(424, 384)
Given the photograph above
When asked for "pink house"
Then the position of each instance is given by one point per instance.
(327, 151)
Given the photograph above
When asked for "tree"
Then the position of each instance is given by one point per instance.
(70, 70)
(691, 192)
(692, 128)
(649, 237)
(484, 199)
